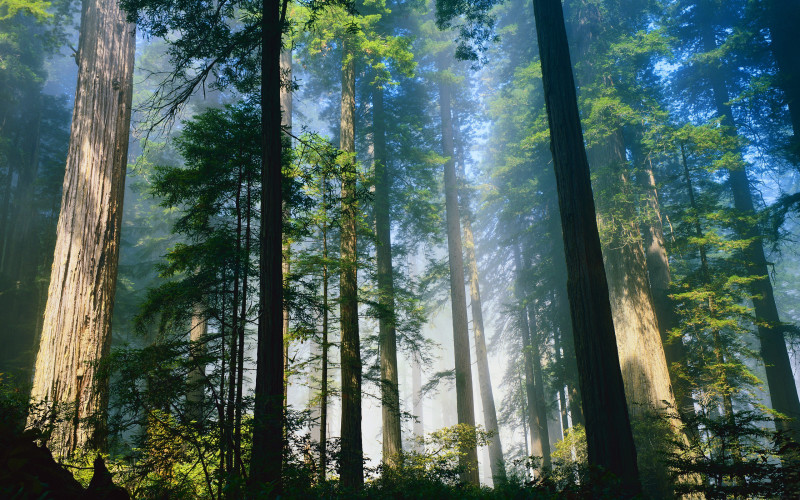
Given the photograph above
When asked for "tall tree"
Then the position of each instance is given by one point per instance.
(352, 460)
(537, 412)
(608, 431)
(267, 454)
(496, 461)
(458, 297)
(783, 391)
(390, 396)
(76, 330)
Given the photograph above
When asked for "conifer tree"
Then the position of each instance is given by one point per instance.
(76, 331)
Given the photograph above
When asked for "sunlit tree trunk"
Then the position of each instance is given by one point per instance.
(352, 467)
(608, 431)
(782, 388)
(496, 461)
(198, 328)
(390, 397)
(660, 278)
(76, 331)
(465, 406)
(266, 461)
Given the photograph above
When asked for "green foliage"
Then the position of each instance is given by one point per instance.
(740, 456)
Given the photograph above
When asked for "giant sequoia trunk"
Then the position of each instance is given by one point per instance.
(390, 397)
(608, 431)
(465, 406)
(76, 332)
(352, 458)
(266, 461)
(782, 388)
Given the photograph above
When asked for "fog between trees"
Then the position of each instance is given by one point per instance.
(401, 249)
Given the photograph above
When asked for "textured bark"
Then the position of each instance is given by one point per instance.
(266, 461)
(660, 278)
(458, 299)
(782, 388)
(496, 462)
(641, 352)
(609, 438)
(390, 396)
(76, 331)
(352, 466)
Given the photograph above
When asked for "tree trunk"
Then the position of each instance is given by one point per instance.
(323, 405)
(286, 124)
(196, 378)
(660, 278)
(783, 18)
(782, 388)
(538, 383)
(496, 461)
(416, 396)
(266, 462)
(352, 466)
(76, 331)
(537, 413)
(242, 325)
(458, 299)
(390, 397)
(608, 431)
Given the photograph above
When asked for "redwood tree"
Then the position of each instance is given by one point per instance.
(76, 330)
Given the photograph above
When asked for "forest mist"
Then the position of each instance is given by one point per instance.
(528, 249)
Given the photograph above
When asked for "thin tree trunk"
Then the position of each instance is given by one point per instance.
(234, 347)
(496, 462)
(537, 412)
(286, 124)
(458, 299)
(266, 462)
(390, 396)
(416, 396)
(242, 325)
(782, 388)
(76, 330)
(352, 466)
(608, 432)
(538, 381)
(323, 405)
(196, 378)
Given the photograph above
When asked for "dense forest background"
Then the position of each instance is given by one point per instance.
(354, 248)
